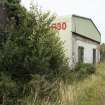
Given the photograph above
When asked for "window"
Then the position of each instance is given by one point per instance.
(94, 56)
(80, 54)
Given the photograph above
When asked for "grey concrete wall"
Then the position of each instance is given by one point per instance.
(66, 36)
(88, 45)
(72, 41)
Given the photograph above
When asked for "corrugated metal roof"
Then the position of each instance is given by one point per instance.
(85, 27)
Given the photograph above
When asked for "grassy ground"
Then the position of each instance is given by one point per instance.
(90, 91)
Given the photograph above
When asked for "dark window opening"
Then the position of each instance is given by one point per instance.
(94, 56)
(80, 54)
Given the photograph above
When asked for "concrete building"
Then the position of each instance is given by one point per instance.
(81, 39)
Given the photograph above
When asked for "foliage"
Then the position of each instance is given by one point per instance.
(8, 90)
(40, 89)
(31, 53)
(32, 47)
(102, 51)
(84, 70)
(90, 91)
(32, 59)
(80, 72)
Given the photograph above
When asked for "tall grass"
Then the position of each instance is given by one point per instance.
(90, 91)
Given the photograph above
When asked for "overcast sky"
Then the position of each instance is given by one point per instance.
(94, 9)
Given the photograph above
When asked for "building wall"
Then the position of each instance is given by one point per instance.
(72, 41)
(88, 46)
(65, 35)
(85, 27)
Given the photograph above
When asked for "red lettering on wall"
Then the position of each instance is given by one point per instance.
(53, 26)
(59, 26)
(64, 26)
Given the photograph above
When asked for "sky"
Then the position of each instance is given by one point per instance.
(94, 9)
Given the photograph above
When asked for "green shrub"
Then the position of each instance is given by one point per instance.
(85, 68)
(91, 68)
(40, 88)
(102, 52)
(8, 90)
(82, 70)
(31, 47)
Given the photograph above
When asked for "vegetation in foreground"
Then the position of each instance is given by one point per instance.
(32, 58)
(33, 67)
(102, 51)
(88, 91)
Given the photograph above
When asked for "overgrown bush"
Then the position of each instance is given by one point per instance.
(8, 90)
(40, 88)
(102, 52)
(31, 47)
(83, 70)
(80, 72)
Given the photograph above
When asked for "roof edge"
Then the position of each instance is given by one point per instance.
(87, 19)
(87, 37)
